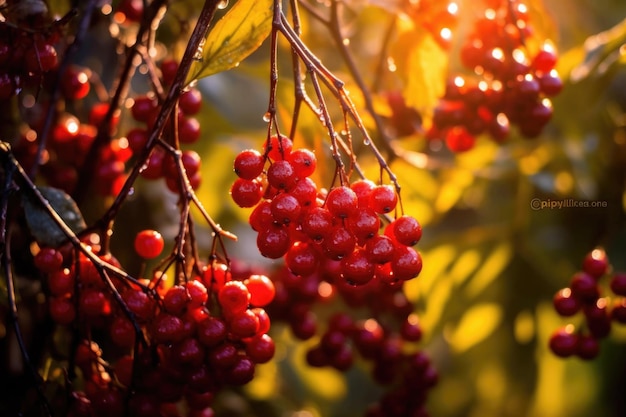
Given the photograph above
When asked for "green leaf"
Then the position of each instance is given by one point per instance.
(42, 225)
(235, 36)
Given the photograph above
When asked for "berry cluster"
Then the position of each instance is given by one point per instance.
(24, 58)
(309, 227)
(511, 84)
(160, 165)
(171, 345)
(584, 295)
(334, 243)
(439, 18)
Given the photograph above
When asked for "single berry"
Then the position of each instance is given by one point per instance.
(149, 244)
(342, 202)
(234, 297)
(261, 290)
(249, 164)
(246, 193)
(383, 199)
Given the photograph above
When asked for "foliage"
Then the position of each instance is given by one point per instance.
(362, 85)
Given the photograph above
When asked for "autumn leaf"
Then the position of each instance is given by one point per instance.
(234, 37)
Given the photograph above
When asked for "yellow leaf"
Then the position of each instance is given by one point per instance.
(426, 69)
(491, 268)
(235, 36)
(476, 325)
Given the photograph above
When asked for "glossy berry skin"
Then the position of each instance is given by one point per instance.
(246, 193)
(406, 263)
(596, 263)
(149, 244)
(383, 199)
(564, 342)
(618, 284)
(273, 242)
(261, 290)
(303, 161)
(276, 149)
(48, 260)
(406, 230)
(190, 101)
(234, 297)
(281, 175)
(342, 202)
(565, 303)
(588, 347)
(249, 164)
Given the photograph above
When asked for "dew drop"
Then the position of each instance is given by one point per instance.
(267, 117)
(222, 4)
(366, 142)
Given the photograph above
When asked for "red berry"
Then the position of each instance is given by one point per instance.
(285, 208)
(302, 259)
(273, 242)
(339, 242)
(303, 162)
(356, 268)
(246, 193)
(588, 347)
(406, 263)
(260, 349)
(61, 282)
(383, 199)
(363, 190)
(41, 57)
(169, 67)
(596, 263)
(281, 175)
(618, 284)
(48, 260)
(211, 331)
(565, 303)
(234, 297)
(122, 332)
(243, 324)
(188, 130)
(149, 244)
(364, 224)
(190, 101)
(406, 230)
(584, 287)
(75, 83)
(167, 328)
(305, 191)
(261, 290)
(380, 249)
(564, 342)
(342, 202)
(144, 109)
(249, 164)
(459, 140)
(545, 60)
(62, 310)
(198, 294)
(175, 300)
(317, 223)
(278, 149)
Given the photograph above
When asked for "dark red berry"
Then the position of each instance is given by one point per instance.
(246, 193)
(596, 263)
(565, 303)
(383, 199)
(342, 202)
(564, 342)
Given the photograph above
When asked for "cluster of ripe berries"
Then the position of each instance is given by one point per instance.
(145, 111)
(439, 18)
(334, 243)
(71, 139)
(584, 294)
(24, 58)
(510, 83)
(173, 346)
(309, 227)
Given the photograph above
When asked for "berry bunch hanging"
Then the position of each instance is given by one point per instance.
(584, 295)
(511, 83)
